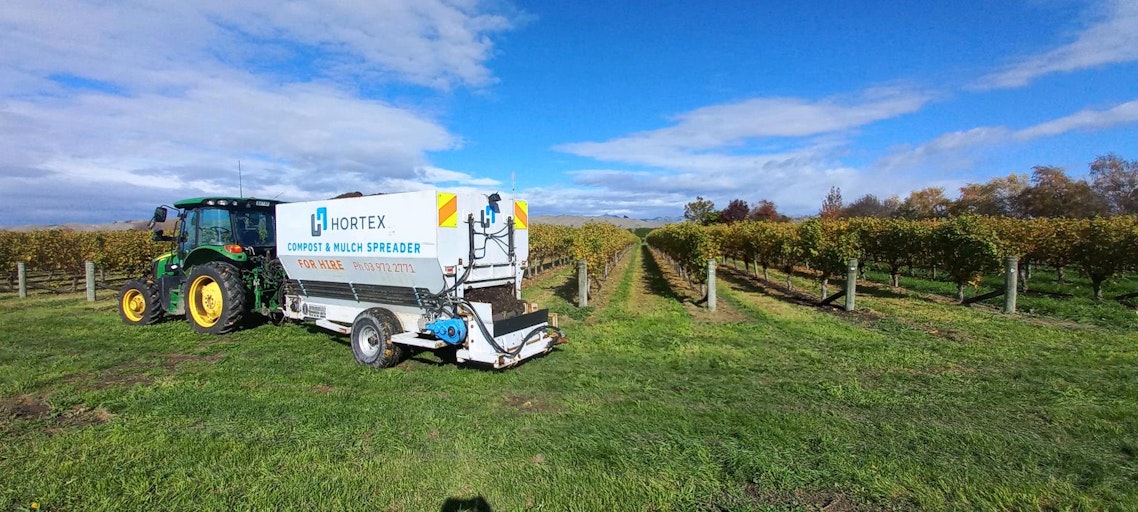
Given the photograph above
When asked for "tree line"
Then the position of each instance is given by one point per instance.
(1111, 188)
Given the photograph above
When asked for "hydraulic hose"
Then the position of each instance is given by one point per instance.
(494, 343)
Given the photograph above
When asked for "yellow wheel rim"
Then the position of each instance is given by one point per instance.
(206, 301)
(133, 305)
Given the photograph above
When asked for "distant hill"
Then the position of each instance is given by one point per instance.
(122, 225)
(577, 220)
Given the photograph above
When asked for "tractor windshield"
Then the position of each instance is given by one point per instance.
(221, 226)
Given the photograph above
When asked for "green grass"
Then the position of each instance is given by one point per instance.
(653, 405)
(1072, 299)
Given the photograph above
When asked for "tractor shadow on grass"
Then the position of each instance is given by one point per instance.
(475, 504)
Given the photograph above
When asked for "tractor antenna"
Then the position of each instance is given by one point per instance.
(240, 181)
(513, 183)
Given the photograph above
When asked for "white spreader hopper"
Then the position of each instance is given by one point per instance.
(429, 269)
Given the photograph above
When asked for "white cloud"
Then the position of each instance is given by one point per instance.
(960, 149)
(783, 149)
(137, 102)
(1111, 38)
(428, 42)
(949, 151)
(1083, 120)
(708, 137)
(431, 174)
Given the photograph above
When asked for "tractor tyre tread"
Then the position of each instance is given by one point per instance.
(153, 310)
(228, 278)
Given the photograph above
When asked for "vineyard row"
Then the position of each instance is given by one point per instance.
(964, 248)
(600, 244)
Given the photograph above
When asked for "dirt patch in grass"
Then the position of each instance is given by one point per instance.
(17, 412)
(322, 389)
(80, 416)
(528, 403)
(123, 376)
(806, 500)
(24, 407)
(134, 373)
(172, 361)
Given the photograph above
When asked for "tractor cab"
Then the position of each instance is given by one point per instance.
(213, 228)
(222, 264)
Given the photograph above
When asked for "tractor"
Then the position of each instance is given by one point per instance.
(221, 266)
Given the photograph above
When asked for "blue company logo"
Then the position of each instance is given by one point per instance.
(492, 212)
(319, 221)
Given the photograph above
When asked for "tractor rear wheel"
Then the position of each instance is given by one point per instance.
(215, 298)
(371, 338)
(138, 303)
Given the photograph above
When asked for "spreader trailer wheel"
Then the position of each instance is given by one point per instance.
(371, 339)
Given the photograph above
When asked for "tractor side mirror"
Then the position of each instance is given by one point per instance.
(159, 216)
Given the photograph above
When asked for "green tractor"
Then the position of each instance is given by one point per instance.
(221, 267)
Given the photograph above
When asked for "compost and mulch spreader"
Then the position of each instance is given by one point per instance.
(416, 270)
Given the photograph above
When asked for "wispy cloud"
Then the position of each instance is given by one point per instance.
(438, 175)
(1083, 120)
(712, 138)
(950, 151)
(958, 150)
(1111, 38)
(782, 149)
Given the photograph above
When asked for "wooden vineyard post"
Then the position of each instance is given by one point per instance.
(90, 281)
(711, 285)
(851, 283)
(582, 283)
(1010, 289)
(22, 277)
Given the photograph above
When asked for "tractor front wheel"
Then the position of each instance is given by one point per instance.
(138, 303)
(215, 298)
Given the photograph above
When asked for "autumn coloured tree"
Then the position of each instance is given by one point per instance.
(870, 206)
(997, 197)
(701, 211)
(927, 203)
(1116, 181)
(765, 210)
(1053, 194)
(832, 205)
(736, 211)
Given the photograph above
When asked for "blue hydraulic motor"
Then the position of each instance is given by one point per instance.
(450, 330)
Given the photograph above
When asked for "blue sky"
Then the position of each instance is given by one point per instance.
(625, 108)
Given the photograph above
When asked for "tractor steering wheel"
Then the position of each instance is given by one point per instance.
(221, 233)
